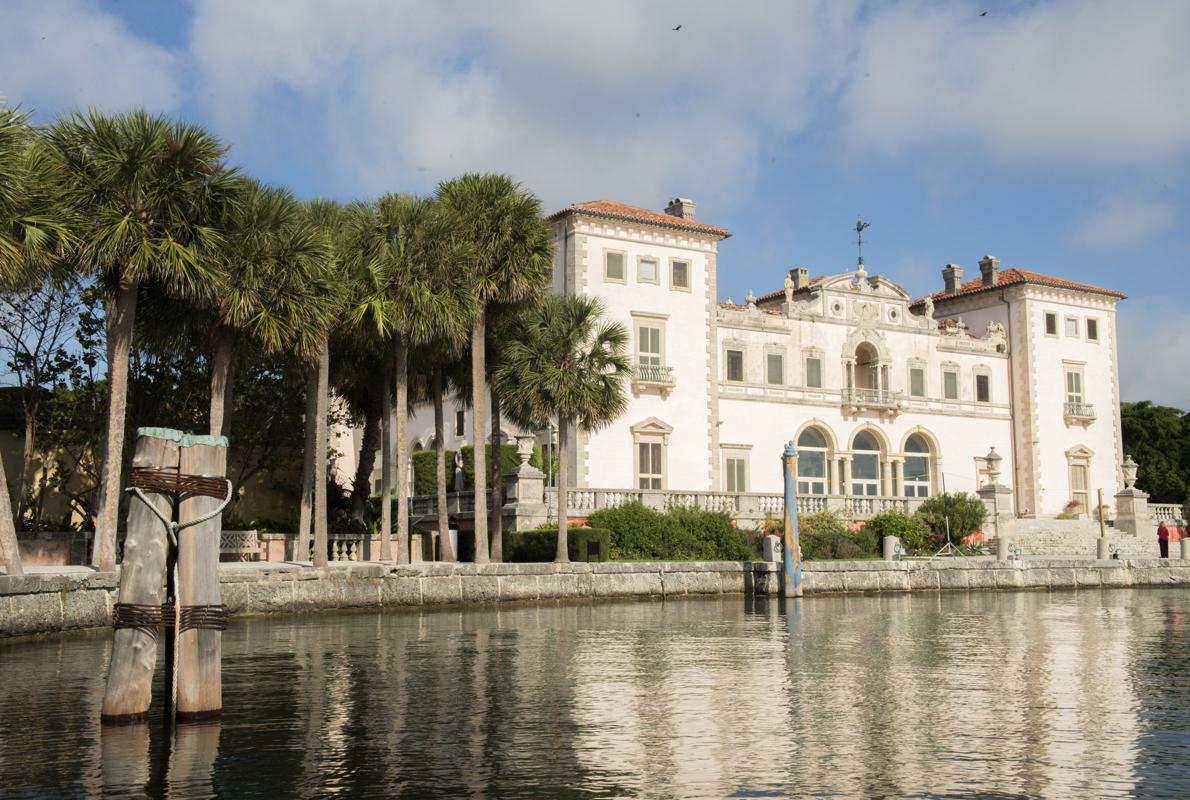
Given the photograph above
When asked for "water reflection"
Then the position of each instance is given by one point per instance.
(1029, 694)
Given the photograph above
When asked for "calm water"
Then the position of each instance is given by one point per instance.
(1060, 695)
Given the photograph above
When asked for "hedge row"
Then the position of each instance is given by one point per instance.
(639, 533)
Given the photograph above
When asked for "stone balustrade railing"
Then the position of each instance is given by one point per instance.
(1167, 512)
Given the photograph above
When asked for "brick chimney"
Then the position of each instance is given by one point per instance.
(680, 207)
(989, 267)
(800, 277)
(952, 277)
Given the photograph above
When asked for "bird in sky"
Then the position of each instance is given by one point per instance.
(678, 28)
(983, 14)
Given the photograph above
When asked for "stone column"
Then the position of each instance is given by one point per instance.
(885, 479)
(846, 476)
(850, 374)
(832, 467)
(898, 488)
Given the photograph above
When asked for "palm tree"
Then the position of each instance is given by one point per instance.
(326, 306)
(402, 254)
(564, 360)
(146, 190)
(32, 231)
(512, 260)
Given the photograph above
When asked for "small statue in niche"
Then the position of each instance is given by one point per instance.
(459, 471)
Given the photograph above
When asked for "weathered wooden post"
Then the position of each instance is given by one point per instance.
(202, 618)
(172, 533)
(793, 551)
(137, 612)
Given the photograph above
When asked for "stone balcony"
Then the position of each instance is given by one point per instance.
(1081, 413)
(652, 376)
(882, 400)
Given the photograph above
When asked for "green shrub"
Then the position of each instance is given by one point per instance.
(826, 535)
(966, 514)
(579, 540)
(425, 463)
(639, 533)
(911, 530)
(542, 544)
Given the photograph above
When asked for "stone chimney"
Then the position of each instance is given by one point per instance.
(680, 207)
(989, 267)
(800, 277)
(952, 277)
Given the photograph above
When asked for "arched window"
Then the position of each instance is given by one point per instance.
(865, 465)
(811, 462)
(917, 467)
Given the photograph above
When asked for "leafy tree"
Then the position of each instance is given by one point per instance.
(958, 513)
(1158, 439)
(563, 360)
(32, 232)
(910, 529)
(145, 191)
(511, 260)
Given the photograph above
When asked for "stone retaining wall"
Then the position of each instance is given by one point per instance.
(49, 603)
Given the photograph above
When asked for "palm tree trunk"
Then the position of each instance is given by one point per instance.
(361, 487)
(8, 532)
(497, 520)
(445, 551)
(320, 447)
(222, 350)
(401, 412)
(563, 554)
(479, 413)
(386, 468)
(120, 329)
(26, 459)
(306, 512)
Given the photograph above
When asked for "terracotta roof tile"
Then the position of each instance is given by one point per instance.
(613, 210)
(1014, 277)
(780, 293)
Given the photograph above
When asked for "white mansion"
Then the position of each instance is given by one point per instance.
(884, 395)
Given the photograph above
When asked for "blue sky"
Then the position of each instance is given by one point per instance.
(1055, 135)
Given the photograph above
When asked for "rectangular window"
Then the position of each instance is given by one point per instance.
(1051, 324)
(737, 474)
(917, 382)
(983, 389)
(1092, 329)
(679, 275)
(1074, 386)
(950, 384)
(648, 345)
(735, 365)
(814, 372)
(460, 423)
(775, 369)
(1072, 327)
(649, 465)
(613, 266)
(646, 270)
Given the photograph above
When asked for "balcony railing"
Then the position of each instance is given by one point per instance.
(872, 398)
(1080, 411)
(653, 373)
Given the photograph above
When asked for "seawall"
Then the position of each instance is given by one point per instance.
(51, 602)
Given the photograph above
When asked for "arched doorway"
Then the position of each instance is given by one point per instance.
(865, 465)
(916, 477)
(867, 367)
(813, 462)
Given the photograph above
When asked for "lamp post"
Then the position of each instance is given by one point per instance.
(792, 546)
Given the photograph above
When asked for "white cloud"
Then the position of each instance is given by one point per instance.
(578, 101)
(1154, 341)
(1124, 220)
(1072, 83)
(68, 54)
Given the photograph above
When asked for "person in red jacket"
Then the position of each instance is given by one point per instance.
(1163, 540)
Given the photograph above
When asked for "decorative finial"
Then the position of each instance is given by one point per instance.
(750, 299)
(860, 227)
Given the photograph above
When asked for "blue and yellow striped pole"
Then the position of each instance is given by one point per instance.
(793, 552)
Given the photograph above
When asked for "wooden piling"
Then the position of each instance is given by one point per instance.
(134, 649)
(200, 683)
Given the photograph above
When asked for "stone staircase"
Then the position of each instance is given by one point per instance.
(1073, 537)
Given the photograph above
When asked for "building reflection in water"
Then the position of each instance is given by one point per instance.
(1016, 694)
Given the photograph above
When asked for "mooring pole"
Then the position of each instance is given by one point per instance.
(201, 614)
(137, 612)
(792, 548)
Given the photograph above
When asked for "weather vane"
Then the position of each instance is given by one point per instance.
(860, 227)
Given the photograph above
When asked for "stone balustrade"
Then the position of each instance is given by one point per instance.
(1167, 512)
